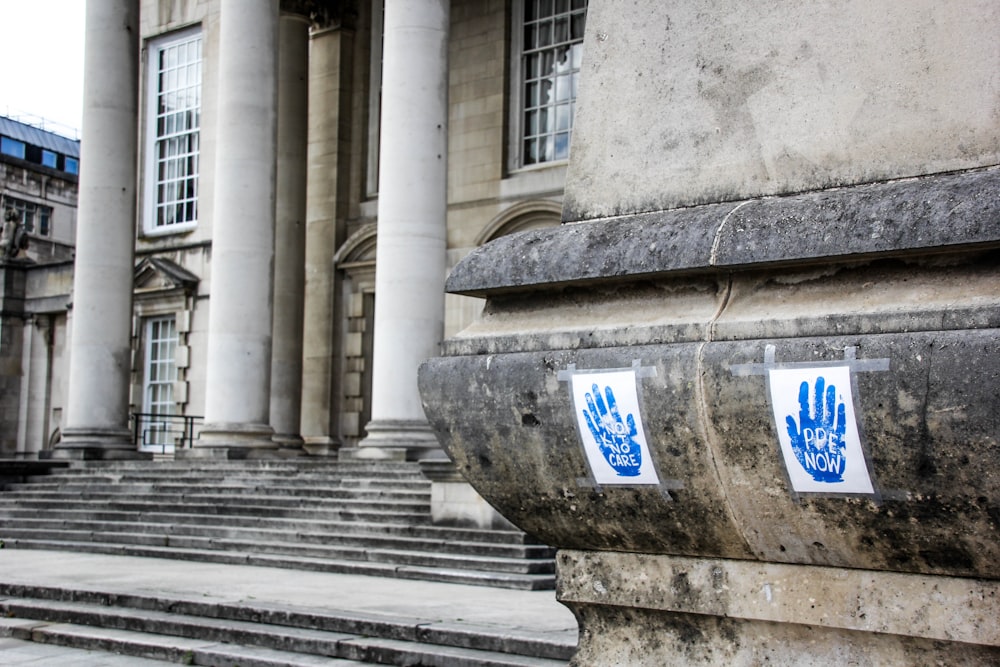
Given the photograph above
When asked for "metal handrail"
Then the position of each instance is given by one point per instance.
(146, 425)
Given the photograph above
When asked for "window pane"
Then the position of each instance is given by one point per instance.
(12, 147)
(563, 88)
(546, 152)
(531, 67)
(531, 95)
(545, 92)
(530, 151)
(544, 8)
(548, 63)
(49, 159)
(561, 30)
(563, 62)
(562, 146)
(544, 34)
(563, 117)
(531, 124)
(544, 121)
(72, 166)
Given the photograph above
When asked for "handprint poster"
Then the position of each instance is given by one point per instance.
(607, 412)
(818, 429)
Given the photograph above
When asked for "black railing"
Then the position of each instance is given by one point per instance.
(152, 430)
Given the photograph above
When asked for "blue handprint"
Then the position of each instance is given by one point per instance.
(615, 438)
(818, 437)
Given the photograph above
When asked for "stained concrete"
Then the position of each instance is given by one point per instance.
(701, 102)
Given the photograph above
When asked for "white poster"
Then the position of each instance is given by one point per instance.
(607, 412)
(818, 430)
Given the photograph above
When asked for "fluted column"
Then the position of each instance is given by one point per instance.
(238, 387)
(410, 260)
(96, 425)
(290, 228)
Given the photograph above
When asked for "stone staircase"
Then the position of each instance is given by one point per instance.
(356, 517)
(210, 632)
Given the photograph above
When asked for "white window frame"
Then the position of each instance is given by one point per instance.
(159, 373)
(189, 133)
(518, 81)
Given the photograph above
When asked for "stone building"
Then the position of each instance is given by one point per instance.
(38, 189)
(245, 165)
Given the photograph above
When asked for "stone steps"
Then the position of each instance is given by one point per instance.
(209, 632)
(221, 501)
(305, 526)
(47, 528)
(22, 536)
(46, 490)
(368, 518)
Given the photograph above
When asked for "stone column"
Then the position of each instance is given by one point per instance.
(238, 374)
(290, 229)
(96, 424)
(412, 207)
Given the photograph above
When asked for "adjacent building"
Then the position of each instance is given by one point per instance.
(38, 191)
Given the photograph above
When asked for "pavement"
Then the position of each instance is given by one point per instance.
(498, 609)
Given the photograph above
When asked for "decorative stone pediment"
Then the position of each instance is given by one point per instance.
(156, 274)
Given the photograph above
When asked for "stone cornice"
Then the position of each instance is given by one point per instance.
(898, 218)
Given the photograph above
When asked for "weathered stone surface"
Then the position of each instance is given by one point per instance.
(930, 424)
(698, 102)
(822, 597)
(895, 219)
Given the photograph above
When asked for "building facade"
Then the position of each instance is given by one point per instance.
(38, 192)
(254, 170)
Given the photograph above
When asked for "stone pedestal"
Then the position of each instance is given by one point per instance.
(97, 420)
(410, 270)
(750, 392)
(238, 372)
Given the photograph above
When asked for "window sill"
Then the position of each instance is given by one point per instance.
(534, 181)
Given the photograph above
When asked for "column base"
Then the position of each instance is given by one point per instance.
(397, 439)
(289, 445)
(321, 446)
(96, 444)
(647, 609)
(455, 503)
(231, 441)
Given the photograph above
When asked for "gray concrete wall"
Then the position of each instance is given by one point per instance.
(703, 101)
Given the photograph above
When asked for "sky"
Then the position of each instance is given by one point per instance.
(41, 62)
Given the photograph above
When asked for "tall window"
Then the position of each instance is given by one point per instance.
(551, 48)
(174, 120)
(159, 375)
(161, 369)
(36, 218)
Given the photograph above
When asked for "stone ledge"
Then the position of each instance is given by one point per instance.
(908, 217)
(941, 608)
